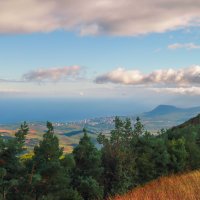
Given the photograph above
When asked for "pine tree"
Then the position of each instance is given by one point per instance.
(11, 169)
(47, 177)
(117, 159)
(88, 169)
(178, 155)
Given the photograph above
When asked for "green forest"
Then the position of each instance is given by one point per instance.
(131, 156)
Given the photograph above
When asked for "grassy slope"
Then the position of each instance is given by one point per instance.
(177, 187)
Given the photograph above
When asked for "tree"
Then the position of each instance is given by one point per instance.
(20, 136)
(88, 169)
(178, 155)
(117, 158)
(161, 157)
(11, 169)
(152, 158)
(47, 177)
(138, 128)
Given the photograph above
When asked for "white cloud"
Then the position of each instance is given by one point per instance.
(185, 81)
(122, 76)
(81, 93)
(10, 91)
(127, 17)
(185, 76)
(9, 80)
(187, 46)
(179, 90)
(52, 74)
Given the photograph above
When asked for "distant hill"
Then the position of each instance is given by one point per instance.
(169, 109)
(166, 116)
(163, 110)
(177, 187)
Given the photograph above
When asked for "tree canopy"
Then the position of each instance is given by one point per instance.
(129, 156)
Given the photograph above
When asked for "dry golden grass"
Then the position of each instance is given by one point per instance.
(11, 132)
(177, 187)
(67, 149)
(33, 134)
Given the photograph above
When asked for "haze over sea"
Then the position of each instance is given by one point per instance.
(14, 110)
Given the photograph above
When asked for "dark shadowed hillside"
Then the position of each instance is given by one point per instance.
(195, 121)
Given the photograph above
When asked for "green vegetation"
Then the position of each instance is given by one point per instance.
(129, 157)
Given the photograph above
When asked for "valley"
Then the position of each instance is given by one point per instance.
(69, 133)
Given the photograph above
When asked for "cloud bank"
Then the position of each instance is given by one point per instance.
(185, 76)
(89, 17)
(181, 90)
(10, 91)
(187, 46)
(52, 74)
(185, 81)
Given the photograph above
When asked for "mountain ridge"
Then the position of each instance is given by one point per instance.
(168, 109)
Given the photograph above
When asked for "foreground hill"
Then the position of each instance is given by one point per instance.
(129, 158)
(177, 187)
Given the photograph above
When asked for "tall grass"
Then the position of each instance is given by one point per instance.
(177, 187)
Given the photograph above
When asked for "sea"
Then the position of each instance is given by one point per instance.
(14, 110)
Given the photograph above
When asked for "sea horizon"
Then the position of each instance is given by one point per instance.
(15, 110)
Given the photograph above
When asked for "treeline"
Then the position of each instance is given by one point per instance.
(129, 157)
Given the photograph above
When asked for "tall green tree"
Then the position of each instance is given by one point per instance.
(88, 170)
(48, 178)
(178, 155)
(117, 158)
(11, 169)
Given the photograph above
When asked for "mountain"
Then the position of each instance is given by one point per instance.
(169, 109)
(185, 186)
(163, 110)
(166, 116)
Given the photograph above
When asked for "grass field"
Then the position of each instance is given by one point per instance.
(177, 187)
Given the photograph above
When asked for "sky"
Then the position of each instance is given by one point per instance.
(146, 51)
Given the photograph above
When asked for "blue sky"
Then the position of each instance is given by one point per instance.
(100, 49)
(23, 52)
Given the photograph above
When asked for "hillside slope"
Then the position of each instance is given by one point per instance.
(195, 121)
(177, 187)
